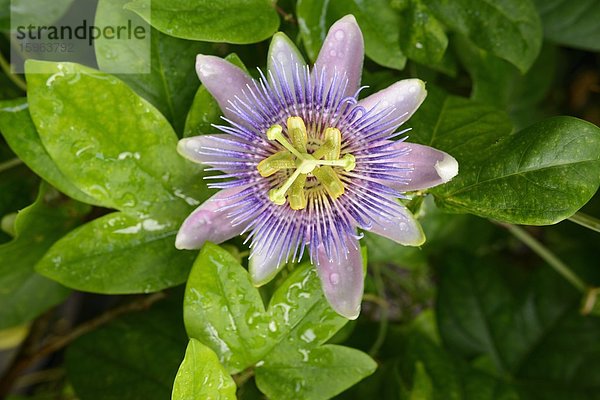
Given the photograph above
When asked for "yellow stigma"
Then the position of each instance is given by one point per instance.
(295, 156)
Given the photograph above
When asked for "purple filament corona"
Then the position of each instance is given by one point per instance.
(278, 230)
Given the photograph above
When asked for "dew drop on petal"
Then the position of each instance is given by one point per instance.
(332, 53)
(339, 35)
(334, 278)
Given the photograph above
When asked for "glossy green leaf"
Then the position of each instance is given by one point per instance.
(122, 152)
(110, 143)
(201, 376)
(538, 176)
(230, 21)
(134, 357)
(422, 38)
(205, 111)
(20, 134)
(499, 83)
(510, 29)
(23, 293)
(120, 253)
(312, 22)
(532, 334)
(571, 23)
(18, 188)
(380, 25)
(171, 82)
(225, 312)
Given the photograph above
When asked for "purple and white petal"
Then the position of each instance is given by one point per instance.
(285, 57)
(223, 80)
(429, 167)
(221, 151)
(342, 279)
(403, 228)
(343, 52)
(263, 265)
(209, 222)
(400, 100)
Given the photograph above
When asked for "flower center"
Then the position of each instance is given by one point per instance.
(319, 164)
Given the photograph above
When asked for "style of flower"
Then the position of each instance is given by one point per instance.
(305, 163)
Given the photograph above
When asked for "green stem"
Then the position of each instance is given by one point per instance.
(10, 164)
(547, 256)
(586, 221)
(384, 311)
(14, 78)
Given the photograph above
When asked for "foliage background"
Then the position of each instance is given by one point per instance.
(91, 287)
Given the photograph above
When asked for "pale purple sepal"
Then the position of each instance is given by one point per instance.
(429, 167)
(402, 99)
(343, 280)
(212, 150)
(403, 229)
(209, 222)
(223, 80)
(343, 51)
(285, 57)
(265, 264)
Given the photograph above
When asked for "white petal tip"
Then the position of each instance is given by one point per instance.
(182, 242)
(348, 19)
(205, 66)
(350, 313)
(447, 168)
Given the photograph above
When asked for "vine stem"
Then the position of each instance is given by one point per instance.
(10, 164)
(384, 311)
(31, 351)
(587, 221)
(556, 263)
(14, 78)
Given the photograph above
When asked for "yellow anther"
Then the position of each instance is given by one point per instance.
(297, 133)
(278, 161)
(320, 163)
(330, 181)
(332, 145)
(297, 195)
(276, 133)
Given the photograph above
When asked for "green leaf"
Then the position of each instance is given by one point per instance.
(538, 176)
(230, 21)
(4, 15)
(499, 83)
(312, 24)
(380, 25)
(423, 38)
(23, 293)
(20, 134)
(530, 333)
(225, 312)
(122, 152)
(201, 376)
(457, 125)
(133, 357)
(319, 373)
(571, 23)
(205, 111)
(110, 143)
(171, 82)
(38, 12)
(510, 29)
(119, 253)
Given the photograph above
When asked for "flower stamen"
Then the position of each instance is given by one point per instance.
(320, 163)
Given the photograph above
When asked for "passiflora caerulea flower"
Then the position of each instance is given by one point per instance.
(305, 164)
